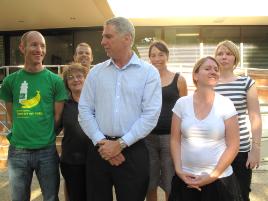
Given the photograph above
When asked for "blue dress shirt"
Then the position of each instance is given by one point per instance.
(123, 102)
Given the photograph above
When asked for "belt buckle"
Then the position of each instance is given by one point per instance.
(113, 138)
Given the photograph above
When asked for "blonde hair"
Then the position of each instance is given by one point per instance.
(199, 63)
(82, 45)
(232, 47)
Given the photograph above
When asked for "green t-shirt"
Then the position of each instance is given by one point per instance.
(32, 96)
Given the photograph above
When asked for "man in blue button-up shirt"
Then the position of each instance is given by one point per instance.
(119, 105)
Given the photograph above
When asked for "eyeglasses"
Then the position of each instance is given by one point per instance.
(73, 77)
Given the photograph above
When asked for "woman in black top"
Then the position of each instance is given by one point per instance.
(158, 142)
(75, 143)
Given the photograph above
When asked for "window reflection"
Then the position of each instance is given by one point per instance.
(59, 49)
(1, 51)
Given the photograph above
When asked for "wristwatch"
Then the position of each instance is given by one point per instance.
(122, 143)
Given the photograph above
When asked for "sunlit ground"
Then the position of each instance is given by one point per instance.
(259, 188)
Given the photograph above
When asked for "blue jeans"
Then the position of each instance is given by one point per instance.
(21, 165)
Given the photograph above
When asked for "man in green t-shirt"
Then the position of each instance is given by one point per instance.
(34, 98)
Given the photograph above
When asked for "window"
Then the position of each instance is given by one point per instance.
(143, 38)
(2, 53)
(255, 42)
(16, 57)
(211, 36)
(59, 49)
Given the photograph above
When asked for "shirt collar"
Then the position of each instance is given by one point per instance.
(134, 61)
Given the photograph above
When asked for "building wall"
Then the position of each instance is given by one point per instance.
(186, 44)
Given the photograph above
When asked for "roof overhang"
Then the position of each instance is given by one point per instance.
(52, 14)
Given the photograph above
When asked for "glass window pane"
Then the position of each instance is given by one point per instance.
(211, 36)
(146, 34)
(215, 34)
(2, 53)
(255, 47)
(187, 35)
(16, 57)
(59, 49)
(255, 55)
(184, 47)
(143, 38)
(183, 43)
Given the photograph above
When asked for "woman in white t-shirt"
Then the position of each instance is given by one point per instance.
(204, 141)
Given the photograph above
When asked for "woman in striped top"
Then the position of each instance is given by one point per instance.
(242, 91)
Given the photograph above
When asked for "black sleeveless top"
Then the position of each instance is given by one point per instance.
(170, 95)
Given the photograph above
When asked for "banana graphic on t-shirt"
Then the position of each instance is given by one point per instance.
(31, 102)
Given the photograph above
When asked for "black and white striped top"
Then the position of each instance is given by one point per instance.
(237, 92)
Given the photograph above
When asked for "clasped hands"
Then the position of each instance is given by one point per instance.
(196, 181)
(110, 151)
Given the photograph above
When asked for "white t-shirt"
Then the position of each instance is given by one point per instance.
(203, 141)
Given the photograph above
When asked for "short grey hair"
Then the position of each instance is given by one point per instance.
(123, 26)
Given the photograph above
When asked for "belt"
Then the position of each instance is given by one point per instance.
(113, 138)
(31, 149)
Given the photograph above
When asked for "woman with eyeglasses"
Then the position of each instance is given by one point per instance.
(75, 144)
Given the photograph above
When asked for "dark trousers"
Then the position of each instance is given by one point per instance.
(223, 189)
(243, 174)
(75, 180)
(130, 179)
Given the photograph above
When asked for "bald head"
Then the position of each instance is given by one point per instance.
(26, 35)
(33, 47)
